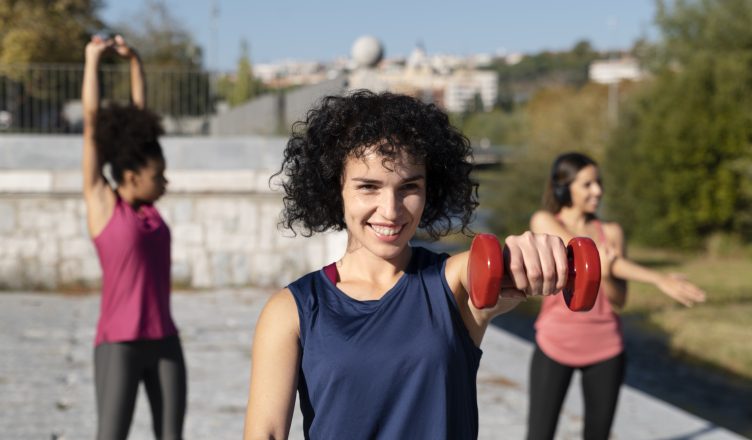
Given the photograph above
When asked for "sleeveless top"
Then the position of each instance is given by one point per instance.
(401, 367)
(578, 339)
(134, 252)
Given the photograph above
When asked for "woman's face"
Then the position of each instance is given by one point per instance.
(382, 205)
(149, 183)
(586, 190)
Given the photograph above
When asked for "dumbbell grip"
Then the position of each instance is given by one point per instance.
(488, 272)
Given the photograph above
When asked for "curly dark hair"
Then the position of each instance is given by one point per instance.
(126, 137)
(349, 126)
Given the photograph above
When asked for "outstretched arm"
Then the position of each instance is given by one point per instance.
(537, 265)
(616, 268)
(90, 99)
(138, 81)
(674, 285)
(97, 194)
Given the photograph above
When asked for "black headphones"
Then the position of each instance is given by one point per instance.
(561, 192)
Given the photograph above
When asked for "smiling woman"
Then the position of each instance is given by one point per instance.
(384, 342)
(591, 342)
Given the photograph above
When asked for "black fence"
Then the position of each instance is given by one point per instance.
(46, 98)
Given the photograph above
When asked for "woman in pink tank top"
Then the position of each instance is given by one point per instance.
(136, 339)
(591, 341)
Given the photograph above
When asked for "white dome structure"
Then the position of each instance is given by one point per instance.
(367, 51)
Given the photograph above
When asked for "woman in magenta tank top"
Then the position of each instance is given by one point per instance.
(592, 341)
(384, 343)
(136, 339)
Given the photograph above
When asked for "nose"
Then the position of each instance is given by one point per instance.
(390, 205)
(597, 189)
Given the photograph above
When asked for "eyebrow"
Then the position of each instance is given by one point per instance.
(374, 181)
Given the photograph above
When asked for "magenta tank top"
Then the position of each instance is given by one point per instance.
(579, 338)
(134, 252)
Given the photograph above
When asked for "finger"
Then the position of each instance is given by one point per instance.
(694, 292)
(547, 263)
(562, 265)
(512, 294)
(516, 268)
(532, 264)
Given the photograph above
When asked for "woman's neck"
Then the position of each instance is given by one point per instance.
(128, 197)
(574, 218)
(360, 263)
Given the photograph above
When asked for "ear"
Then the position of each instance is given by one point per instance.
(130, 178)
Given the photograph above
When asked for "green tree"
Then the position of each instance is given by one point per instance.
(178, 85)
(161, 39)
(46, 31)
(519, 82)
(42, 31)
(243, 85)
(556, 120)
(682, 153)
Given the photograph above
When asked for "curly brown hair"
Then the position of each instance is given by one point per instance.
(348, 126)
(127, 137)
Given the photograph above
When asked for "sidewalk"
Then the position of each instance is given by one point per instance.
(46, 386)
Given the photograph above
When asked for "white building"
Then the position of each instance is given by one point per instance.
(615, 71)
(449, 81)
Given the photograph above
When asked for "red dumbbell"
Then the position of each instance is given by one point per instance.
(485, 271)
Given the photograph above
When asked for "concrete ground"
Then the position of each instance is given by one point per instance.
(46, 389)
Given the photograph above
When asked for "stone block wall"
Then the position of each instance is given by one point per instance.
(223, 221)
(218, 240)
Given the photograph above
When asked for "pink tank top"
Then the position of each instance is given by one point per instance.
(134, 252)
(579, 338)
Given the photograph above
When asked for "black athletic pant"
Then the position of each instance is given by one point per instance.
(549, 381)
(120, 367)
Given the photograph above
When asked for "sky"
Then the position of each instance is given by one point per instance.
(325, 29)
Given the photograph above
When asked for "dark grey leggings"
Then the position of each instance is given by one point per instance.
(549, 381)
(119, 368)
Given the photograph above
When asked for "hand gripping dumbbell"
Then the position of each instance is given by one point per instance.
(485, 272)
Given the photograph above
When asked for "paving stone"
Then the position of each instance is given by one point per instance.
(47, 392)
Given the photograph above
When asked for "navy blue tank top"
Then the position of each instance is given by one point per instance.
(401, 367)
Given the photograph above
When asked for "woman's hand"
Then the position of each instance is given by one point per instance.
(677, 287)
(122, 48)
(537, 263)
(96, 47)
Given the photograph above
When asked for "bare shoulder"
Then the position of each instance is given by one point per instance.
(280, 312)
(613, 231)
(542, 220)
(281, 303)
(454, 272)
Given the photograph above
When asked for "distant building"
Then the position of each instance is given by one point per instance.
(450, 82)
(615, 71)
(463, 87)
(453, 83)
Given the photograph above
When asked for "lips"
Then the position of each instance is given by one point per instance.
(386, 231)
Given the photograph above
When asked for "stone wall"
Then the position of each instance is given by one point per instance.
(223, 221)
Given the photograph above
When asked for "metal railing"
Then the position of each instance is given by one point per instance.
(46, 98)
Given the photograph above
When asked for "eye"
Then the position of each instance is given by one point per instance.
(367, 187)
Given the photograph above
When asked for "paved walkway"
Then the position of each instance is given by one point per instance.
(46, 389)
